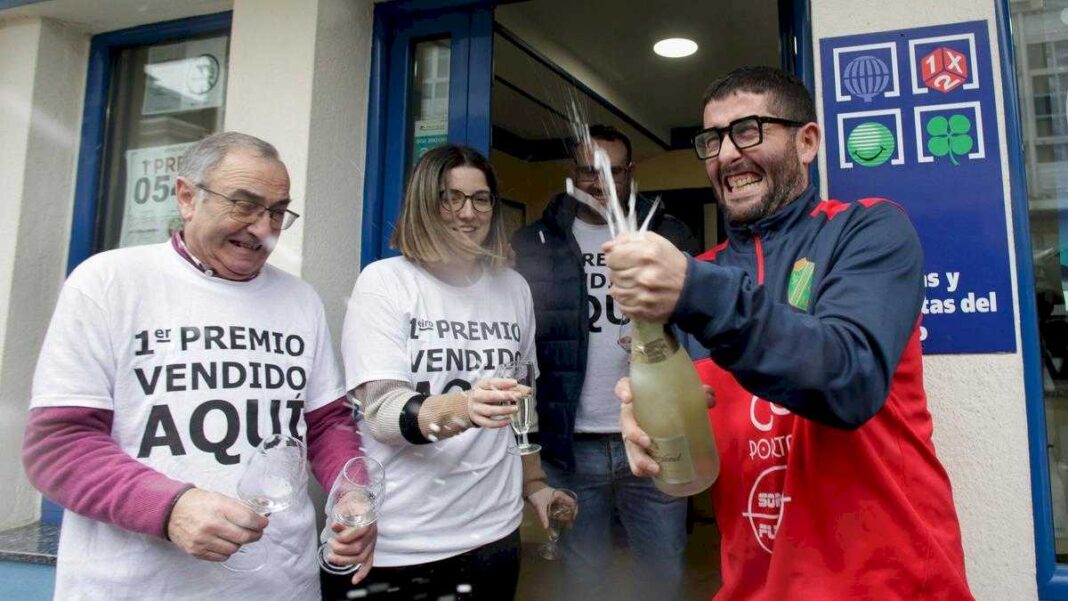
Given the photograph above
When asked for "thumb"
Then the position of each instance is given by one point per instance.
(540, 500)
(710, 396)
(543, 516)
(622, 390)
(239, 514)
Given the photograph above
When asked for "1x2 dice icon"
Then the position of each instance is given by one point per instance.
(944, 69)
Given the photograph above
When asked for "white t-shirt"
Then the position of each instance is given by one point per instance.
(193, 367)
(606, 361)
(454, 495)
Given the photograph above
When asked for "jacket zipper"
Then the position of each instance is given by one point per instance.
(759, 247)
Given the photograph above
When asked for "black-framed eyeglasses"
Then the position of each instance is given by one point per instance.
(746, 132)
(586, 173)
(454, 200)
(248, 211)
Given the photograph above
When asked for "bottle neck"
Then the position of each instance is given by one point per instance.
(651, 342)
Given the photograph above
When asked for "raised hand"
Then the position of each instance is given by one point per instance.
(647, 274)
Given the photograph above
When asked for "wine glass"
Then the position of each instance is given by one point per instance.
(276, 472)
(562, 511)
(354, 500)
(522, 372)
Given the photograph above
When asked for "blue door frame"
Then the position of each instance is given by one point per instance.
(397, 27)
(1052, 577)
(103, 50)
(795, 41)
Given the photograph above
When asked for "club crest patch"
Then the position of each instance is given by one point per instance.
(800, 289)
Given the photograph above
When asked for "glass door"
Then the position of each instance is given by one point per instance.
(430, 85)
(1040, 48)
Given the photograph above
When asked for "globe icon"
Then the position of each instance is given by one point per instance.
(866, 76)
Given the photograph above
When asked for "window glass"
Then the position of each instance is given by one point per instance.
(1041, 44)
(163, 97)
(428, 118)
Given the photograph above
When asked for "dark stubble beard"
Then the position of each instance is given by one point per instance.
(787, 177)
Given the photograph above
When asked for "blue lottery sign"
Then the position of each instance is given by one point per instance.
(910, 115)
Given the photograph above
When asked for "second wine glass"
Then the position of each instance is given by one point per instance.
(275, 473)
(562, 512)
(353, 502)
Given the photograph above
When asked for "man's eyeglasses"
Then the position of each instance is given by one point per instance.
(454, 200)
(249, 212)
(585, 173)
(746, 132)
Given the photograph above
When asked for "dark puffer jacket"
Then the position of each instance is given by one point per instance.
(549, 257)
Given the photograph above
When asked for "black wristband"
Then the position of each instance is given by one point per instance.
(409, 420)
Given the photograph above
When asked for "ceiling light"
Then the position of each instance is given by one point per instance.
(675, 47)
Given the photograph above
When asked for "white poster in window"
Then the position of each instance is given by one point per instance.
(429, 133)
(187, 76)
(150, 212)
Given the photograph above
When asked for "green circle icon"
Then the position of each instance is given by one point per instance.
(871, 144)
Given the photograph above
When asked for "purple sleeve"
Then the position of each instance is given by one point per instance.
(70, 456)
(332, 440)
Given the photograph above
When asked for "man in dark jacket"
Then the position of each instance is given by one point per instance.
(580, 359)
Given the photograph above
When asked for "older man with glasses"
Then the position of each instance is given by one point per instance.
(805, 322)
(163, 369)
(580, 359)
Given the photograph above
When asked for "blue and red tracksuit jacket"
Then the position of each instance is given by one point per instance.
(806, 324)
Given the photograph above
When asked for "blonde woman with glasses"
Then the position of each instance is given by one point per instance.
(423, 335)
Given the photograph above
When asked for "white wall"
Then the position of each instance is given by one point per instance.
(337, 152)
(299, 73)
(42, 83)
(977, 400)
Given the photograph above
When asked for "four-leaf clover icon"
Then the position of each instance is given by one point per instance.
(950, 136)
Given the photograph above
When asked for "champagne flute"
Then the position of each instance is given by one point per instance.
(522, 372)
(562, 512)
(353, 502)
(274, 475)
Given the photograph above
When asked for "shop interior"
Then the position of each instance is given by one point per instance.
(555, 58)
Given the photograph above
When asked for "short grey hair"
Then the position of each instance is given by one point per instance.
(202, 158)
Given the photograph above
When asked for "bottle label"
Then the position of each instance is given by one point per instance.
(673, 457)
(653, 352)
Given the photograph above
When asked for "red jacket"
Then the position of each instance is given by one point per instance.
(841, 496)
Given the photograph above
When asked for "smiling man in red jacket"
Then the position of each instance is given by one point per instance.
(805, 322)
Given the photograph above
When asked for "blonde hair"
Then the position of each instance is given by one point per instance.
(422, 236)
